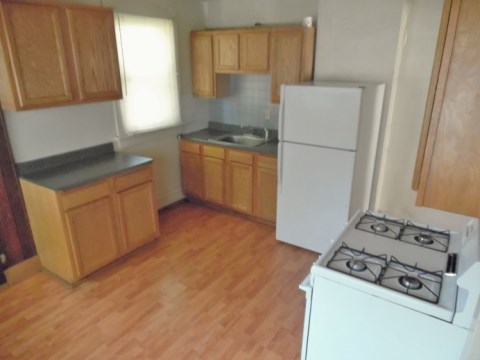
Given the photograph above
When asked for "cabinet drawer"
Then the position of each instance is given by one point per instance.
(214, 151)
(267, 162)
(190, 147)
(240, 157)
(84, 195)
(123, 182)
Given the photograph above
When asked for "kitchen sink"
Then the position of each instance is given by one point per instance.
(246, 139)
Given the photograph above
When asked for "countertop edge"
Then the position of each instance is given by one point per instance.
(88, 180)
(269, 148)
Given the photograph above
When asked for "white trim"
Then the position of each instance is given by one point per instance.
(145, 137)
(169, 197)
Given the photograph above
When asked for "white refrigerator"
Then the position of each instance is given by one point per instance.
(328, 135)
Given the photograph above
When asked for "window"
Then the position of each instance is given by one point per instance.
(147, 56)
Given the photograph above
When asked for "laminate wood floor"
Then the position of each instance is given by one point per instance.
(214, 286)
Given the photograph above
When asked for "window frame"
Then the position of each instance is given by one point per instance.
(118, 115)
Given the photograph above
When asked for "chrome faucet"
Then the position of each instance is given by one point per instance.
(267, 133)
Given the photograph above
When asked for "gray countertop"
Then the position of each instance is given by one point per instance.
(81, 167)
(209, 135)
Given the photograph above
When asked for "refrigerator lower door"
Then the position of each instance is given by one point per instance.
(314, 188)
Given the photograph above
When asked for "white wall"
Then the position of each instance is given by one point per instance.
(38, 133)
(415, 65)
(233, 13)
(392, 42)
(357, 40)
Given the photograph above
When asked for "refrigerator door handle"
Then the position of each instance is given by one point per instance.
(280, 166)
(281, 113)
(280, 137)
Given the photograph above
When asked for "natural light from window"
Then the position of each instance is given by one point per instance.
(146, 48)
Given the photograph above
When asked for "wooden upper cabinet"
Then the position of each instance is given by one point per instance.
(226, 51)
(449, 152)
(292, 57)
(92, 35)
(203, 80)
(284, 52)
(53, 55)
(254, 50)
(33, 60)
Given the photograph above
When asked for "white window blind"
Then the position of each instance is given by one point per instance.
(147, 57)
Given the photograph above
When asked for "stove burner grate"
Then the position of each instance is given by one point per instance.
(357, 263)
(380, 225)
(412, 280)
(426, 237)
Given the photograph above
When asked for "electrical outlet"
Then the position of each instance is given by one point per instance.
(267, 113)
(3, 259)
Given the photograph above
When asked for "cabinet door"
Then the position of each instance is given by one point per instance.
(291, 57)
(192, 174)
(286, 59)
(240, 187)
(139, 215)
(92, 231)
(226, 52)
(265, 191)
(214, 179)
(202, 64)
(92, 34)
(254, 50)
(34, 49)
(450, 175)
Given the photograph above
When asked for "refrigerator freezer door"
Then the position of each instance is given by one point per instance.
(313, 195)
(322, 116)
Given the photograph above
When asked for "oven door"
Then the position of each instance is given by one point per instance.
(307, 287)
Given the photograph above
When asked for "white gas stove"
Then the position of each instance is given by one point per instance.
(393, 285)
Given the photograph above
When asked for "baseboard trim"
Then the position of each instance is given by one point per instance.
(23, 270)
(169, 198)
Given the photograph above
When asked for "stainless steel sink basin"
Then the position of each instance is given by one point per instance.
(246, 139)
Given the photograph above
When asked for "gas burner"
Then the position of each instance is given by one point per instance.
(412, 280)
(380, 225)
(357, 263)
(426, 237)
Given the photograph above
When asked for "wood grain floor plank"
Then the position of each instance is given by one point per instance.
(214, 286)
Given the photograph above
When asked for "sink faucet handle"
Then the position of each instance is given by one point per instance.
(267, 133)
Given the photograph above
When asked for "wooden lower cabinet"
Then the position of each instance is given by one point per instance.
(240, 181)
(244, 181)
(265, 189)
(214, 179)
(92, 229)
(139, 215)
(191, 164)
(78, 231)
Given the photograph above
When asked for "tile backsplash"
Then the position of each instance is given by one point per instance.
(248, 103)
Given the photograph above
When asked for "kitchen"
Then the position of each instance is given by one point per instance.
(405, 70)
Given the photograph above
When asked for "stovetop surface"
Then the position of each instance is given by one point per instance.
(436, 297)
